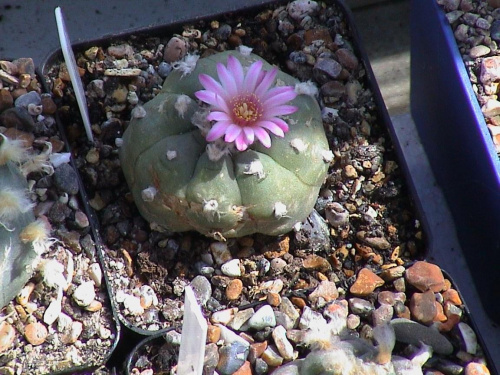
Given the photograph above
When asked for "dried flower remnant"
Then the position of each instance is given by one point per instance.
(244, 106)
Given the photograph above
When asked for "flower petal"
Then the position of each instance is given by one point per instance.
(272, 127)
(227, 80)
(281, 98)
(266, 82)
(249, 134)
(213, 99)
(280, 111)
(218, 116)
(211, 84)
(232, 132)
(274, 91)
(217, 130)
(281, 123)
(263, 137)
(241, 142)
(235, 68)
(252, 77)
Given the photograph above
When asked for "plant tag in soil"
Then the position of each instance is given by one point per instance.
(194, 334)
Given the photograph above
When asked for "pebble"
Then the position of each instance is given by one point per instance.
(231, 358)
(423, 307)
(336, 214)
(175, 50)
(52, 312)
(410, 332)
(229, 337)
(490, 69)
(468, 338)
(147, 297)
(234, 289)
(366, 283)
(223, 316)
(382, 315)
(213, 333)
(7, 336)
(202, 289)
(474, 368)
(66, 179)
(325, 292)
(360, 306)
(284, 346)
(287, 307)
(425, 276)
(18, 118)
(95, 274)
(299, 9)
(272, 357)
(479, 51)
(392, 273)
(353, 321)
(316, 262)
(263, 317)
(36, 333)
(220, 252)
(245, 369)
(211, 358)
(73, 334)
(133, 305)
(231, 268)
(326, 69)
(84, 294)
(240, 318)
(25, 100)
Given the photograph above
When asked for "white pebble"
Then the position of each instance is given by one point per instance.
(231, 268)
(95, 274)
(229, 336)
(263, 317)
(84, 294)
(133, 305)
(284, 346)
(52, 312)
(220, 252)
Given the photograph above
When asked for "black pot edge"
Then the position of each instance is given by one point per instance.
(450, 124)
(83, 369)
(157, 338)
(481, 328)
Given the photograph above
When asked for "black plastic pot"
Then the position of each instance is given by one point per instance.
(467, 168)
(153, 342)
(460, 270)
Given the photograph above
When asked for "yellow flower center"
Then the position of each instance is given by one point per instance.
(247, 108)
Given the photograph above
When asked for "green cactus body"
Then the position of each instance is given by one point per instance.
(16, 256)
(178, 185)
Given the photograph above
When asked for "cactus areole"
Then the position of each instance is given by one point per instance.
(228, 149)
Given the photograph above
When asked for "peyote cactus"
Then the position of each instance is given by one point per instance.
(22, 238)
(212, 168)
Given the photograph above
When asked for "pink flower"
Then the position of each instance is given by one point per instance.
(245, 107)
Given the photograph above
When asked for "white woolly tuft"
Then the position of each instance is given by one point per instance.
(307, 88)
(138, 112)
(12, 150)
(280, 210)
(148, 194)
(182, 104)
(187, 65)
(12, 204)
(244, 50)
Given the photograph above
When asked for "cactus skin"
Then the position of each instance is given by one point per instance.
(260, 190)
(16, 257)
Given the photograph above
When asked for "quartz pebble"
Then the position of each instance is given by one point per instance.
(7, 336)
(84, 294)
(263, 317)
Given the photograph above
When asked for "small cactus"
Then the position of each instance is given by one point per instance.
(190, 168)
(22, 238)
